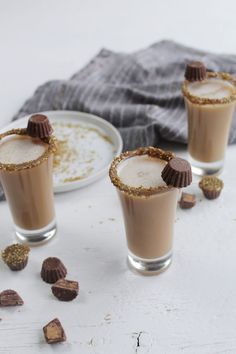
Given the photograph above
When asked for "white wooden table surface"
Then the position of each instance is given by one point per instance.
(191, 308)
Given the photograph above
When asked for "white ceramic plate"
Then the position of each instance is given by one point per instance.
(87, 145)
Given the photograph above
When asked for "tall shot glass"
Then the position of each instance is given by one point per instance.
(28, 185)
(148, 204)
(210, 102)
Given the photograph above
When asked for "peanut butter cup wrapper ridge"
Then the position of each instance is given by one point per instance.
(18, 266)
(211, 194)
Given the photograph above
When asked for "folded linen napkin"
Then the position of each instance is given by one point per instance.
(139, 93)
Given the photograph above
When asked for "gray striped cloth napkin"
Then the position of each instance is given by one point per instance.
(139, 93)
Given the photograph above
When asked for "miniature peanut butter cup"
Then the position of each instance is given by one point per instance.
(39, 126)
(195, 71)
(52, 270)
(177, 173)
(16, 256)
(211, 186)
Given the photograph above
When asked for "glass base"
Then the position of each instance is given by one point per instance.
(35, 237)
(206, 168)
(149, 266)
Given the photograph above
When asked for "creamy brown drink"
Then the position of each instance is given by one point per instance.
(148, 205)
(148, 220)
(26, 177)
(210, 105)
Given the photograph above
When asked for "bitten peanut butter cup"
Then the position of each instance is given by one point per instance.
(52, 270)
(187, 201)
(65, 290)
(195, 71)
(10, 298)
(54, 332)
(177, 173)
(16, 256)
(39, 126)
(211, 186)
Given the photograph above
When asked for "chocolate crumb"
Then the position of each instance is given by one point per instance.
(54, 332)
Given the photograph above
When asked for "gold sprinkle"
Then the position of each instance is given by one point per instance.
(15, 254)
(52, 146)
(203, 100)
(139, 191)
(78, 178)
(211, 183)
(66, 154)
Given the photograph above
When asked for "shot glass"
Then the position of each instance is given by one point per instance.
(148, 205)
(210, 105)
(28, 186)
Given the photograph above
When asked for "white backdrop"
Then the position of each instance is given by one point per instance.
(50, 39)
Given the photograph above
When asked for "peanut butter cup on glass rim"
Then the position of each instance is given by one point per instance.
(26, 178)
(147, 181)
(210, 103)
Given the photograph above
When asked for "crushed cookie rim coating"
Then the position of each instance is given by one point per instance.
(52, 147)
(139, 191)
(207, 101)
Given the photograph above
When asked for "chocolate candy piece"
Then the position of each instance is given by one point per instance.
(211, 186)
(54, 332)
(177, 173)
(187, 201)
(195, 71)
(10, 298)
(52, 270)
(39, 126)
(16, 256)
(65, 290)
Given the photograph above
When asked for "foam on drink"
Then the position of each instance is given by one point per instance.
(142, 171)
(212, 88)
(20, 149)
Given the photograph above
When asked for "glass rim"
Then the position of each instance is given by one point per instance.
(139, 191)
(51, 141)
(208, 101)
